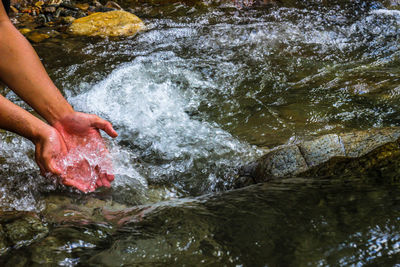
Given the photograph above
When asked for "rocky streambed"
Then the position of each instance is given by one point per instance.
(251, 133)
(361, 157)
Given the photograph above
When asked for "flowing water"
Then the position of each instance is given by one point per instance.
(205, 89)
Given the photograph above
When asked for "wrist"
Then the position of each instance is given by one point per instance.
(56, 114)
(42, 131)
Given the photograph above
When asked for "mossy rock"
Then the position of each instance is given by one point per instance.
(19, 228)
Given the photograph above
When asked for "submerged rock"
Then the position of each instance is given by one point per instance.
(281, 162)
(113, 23)
(322, 149)
(355, 153)
(37, 37)
(18, 228)
(25, 31)
(392, 4)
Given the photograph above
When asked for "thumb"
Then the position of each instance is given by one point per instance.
(53, 168)
(105, 126)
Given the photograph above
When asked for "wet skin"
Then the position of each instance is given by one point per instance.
(87, 150)
(67, 133)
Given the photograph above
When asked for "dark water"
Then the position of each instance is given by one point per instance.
(298, 222)
(202, 91)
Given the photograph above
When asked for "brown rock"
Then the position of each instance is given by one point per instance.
(50, 9)
(68, 19)
(39, 3)
(281, 162)
(83, 7)
(362, 142)
(113, 23)
(112, 4)
(97, 3)
(14, 10)
(25, 31)
(37, 37)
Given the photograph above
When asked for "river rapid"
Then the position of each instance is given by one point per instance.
(204, 90)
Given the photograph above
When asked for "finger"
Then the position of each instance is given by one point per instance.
(75, 184)
(105, 126)
(103, 177)
(106, 183)
(38, 160)
(99, 182)
(52, 167)
(42, 169)
(110, 177)
(47, 164)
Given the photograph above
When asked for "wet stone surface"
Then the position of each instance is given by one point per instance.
(281, 162)
(362, 142)
(19, 229)
(321, 149)
(352, 153)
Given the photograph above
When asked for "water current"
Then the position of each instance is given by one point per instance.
(207, 88)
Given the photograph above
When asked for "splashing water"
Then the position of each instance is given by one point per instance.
(145, 99)
(189, 94)
(82, 165)
(20, 182)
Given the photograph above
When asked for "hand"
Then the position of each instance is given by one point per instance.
(49, 147)
(88, 164)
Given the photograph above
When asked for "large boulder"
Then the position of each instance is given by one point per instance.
(113, 23)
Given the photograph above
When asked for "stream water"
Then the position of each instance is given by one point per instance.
(204, 90)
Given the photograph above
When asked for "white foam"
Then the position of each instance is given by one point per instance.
(146, 101)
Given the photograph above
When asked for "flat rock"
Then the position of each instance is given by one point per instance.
(37, 37)
(359, 143)
(284, 161)
(322, 149)
(113, 23)
(360, 152)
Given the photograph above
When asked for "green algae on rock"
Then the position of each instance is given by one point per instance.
(18, 228)
(113, 23)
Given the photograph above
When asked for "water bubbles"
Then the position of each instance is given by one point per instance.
(147, 100)
(20, 181)
(189, 94)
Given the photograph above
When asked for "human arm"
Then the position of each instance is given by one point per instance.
(22, 71)
(81, 134)
(48, 142)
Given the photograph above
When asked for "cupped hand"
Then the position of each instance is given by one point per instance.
(88, 163)
(49, 148)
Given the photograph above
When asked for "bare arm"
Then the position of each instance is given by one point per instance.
(47, 140)
(22, 71)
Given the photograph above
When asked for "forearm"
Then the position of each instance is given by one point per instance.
(22, 71)
(17, 120)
